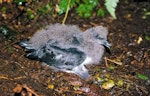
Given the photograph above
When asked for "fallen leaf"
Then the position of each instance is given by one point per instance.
(76, 83)
(139, 40)
(17, 89)
(50, 86)
(120, 82)
(98, 79)
(108, 85)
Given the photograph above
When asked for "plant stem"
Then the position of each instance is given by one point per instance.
(66, 14)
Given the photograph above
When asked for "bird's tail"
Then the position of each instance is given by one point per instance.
(25, 44)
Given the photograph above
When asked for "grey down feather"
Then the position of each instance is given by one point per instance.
(67, 48)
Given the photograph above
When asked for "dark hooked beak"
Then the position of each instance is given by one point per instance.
(105, 44)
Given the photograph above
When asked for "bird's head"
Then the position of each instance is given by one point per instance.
(99, 35)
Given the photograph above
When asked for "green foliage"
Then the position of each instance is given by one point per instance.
(7, 32)
(3, 9)
(111, 67)
(64, 4)
(101, 12)
(44, 10)
(85, 8)
(141, 76)
(30, 14)
(19, 2)
(147, 37)
(111, 7)
(74, 2)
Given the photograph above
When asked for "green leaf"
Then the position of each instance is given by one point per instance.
(111, 67)
(45, 9)
(101, 12)
(108, 84)
(30, 14)
(93, 2)
(86, 1)
(84, 10)
(111, 7)
(63, 6)
(86, 15)
(141, 76)
(147, 37)
(73, 2)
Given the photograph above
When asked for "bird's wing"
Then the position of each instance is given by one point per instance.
(57, 54)
(66, 58)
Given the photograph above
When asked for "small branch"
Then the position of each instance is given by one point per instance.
(4, 77)
(66, 14)
(114, 61)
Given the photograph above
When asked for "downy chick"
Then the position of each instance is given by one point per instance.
(67, 48)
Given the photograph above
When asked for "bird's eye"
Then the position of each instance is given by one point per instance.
(48, 49)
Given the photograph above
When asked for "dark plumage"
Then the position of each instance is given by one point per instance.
(67, 48)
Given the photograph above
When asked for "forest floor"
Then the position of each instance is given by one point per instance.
(126, 72)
